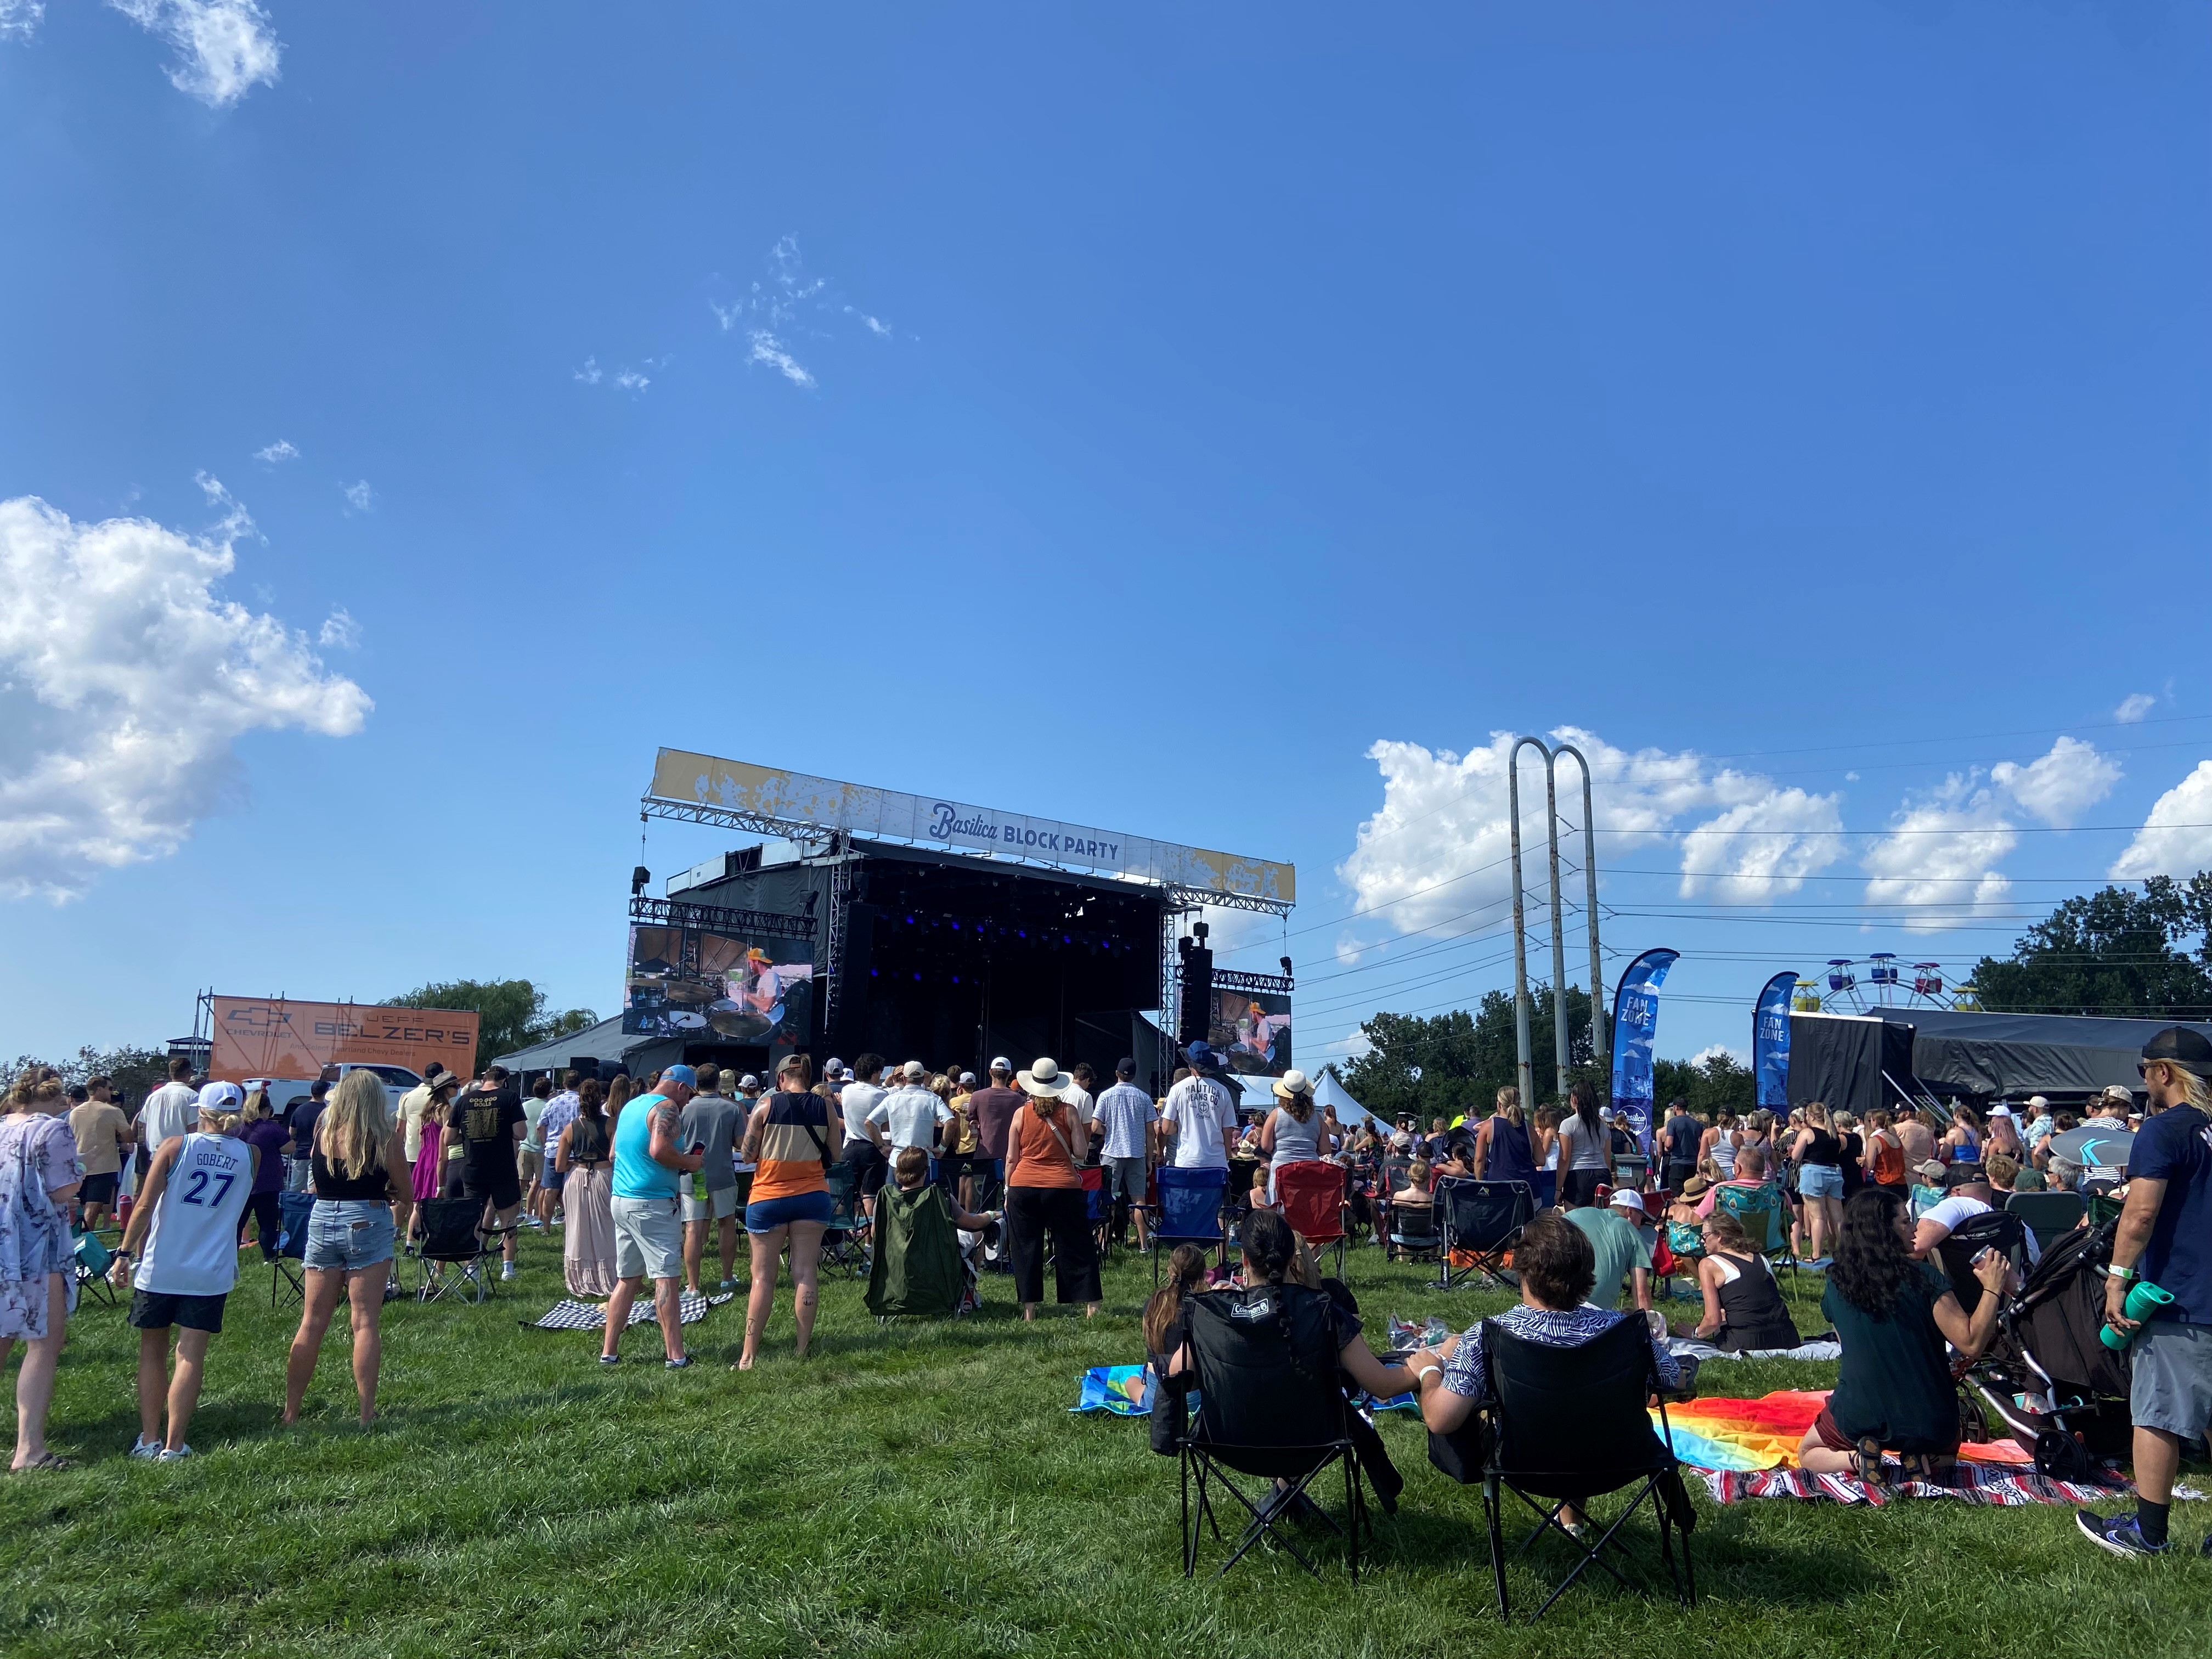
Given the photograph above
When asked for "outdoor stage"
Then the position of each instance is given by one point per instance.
(863, 920)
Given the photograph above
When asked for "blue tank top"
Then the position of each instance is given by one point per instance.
(1509, 1158)
(636, 1174)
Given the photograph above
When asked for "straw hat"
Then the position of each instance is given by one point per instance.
(1292, 1085)
(1044, 1080)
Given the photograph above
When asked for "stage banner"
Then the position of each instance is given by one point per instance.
(271, 1038)
(1253, 1029)
(787, 801)
(1635, 1023)
(1770, 1042)
(709, 984)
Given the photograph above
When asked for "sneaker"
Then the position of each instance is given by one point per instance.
(676, 1364)
(611, 1359)
(729, 1284)
(507, 1270)
(144, 1448)
(164, 1456)
(2117, 1534)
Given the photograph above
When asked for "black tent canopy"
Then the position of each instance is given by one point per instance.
(1841, 1058)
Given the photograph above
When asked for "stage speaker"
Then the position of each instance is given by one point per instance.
(584, 1066)
(853, 979)
(1196, 1018)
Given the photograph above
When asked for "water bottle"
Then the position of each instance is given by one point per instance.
(2144, 1301)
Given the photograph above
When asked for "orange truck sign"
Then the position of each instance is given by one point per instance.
(260, 1036)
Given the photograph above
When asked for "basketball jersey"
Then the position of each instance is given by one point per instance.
(192, 1249)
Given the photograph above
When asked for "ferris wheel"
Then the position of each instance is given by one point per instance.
(1858, 987)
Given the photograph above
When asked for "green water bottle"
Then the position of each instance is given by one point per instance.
(2144, 1301)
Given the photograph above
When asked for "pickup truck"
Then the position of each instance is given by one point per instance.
(284, 1091)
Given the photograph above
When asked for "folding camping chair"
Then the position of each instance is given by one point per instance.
(1097, 1210)
(454, 1236)
(1568, 1424)
(2048, 1216)
(1190, 1212)
(1271, 1405)
(90, 1258)
(1484, 1218)
(1760, 1211)
(845, 1246)
(288, 1268)
(1310, 1194)
(1412, 1233)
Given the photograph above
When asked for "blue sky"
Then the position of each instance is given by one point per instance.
(1200, 422)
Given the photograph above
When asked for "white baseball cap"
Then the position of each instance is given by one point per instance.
(1623, 1199)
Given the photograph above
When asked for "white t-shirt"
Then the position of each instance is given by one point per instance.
(192, 1249)
(1078, 1101)
(411, 1116)
(1581, 1149)
(532, 1110)
(859, 1100)
(908, 1116)
(171, 1110)
(1958, 1207)
(1126, 1112)
(1203, 1115)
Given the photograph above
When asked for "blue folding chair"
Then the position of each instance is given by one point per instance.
(1190, 1210)
(287, 1268)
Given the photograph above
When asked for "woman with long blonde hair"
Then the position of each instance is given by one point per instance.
(358, 1174)
(1502, 1150)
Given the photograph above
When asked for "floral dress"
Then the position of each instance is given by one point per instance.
(37, 1154)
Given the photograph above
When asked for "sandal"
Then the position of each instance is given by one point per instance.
(51, 1462)
(1869, 1453)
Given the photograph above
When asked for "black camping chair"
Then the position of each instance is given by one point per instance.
(2048, 1216)
(1484, 1219)
(845, 1246)
(454, 1236)
(288, 1268)
(1271, 1405)
(1567, 1424)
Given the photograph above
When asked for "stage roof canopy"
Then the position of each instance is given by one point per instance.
(705, 789)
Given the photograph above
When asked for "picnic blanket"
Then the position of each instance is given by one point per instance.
(1821, 1347)
(2006, 1485)
(1126, 1391)
(570, 1315)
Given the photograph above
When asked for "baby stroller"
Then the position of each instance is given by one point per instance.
(2047, 1379)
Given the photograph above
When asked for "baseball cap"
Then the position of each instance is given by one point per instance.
(914, 1070)
(748, 1081)
(966, 1079)
(2178, 1045)
(2001, 1110)
(1125, 1068)
(1002, 1063)
(833, 1068)
(1965, 1174)
(221, 1097)
(682, 1074)
(1624, 1199)
(1933, 1168)
(1202, 1053)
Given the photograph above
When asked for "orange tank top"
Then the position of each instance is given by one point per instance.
(1034, 1155)
(790, 1161)
(1888, 1162)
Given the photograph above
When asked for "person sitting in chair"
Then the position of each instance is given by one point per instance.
(1967, 1192)
(1557, 1268)
(926, 1247)
(1272, 1268)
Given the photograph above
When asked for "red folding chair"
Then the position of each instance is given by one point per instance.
(1310, 1195)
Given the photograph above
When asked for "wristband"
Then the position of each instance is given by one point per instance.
(2125, 1275)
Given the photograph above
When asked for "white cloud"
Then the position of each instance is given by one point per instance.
(2134, 707)
(1942, 851)
(1717, 1051)
(2172, 841)
(359, 498)
(787, 302)
(340, 632)
(630, 380)
(282, 450)
(2060, 786)
(125, 681)
(591, 373)
(1444, 815)
(20, 19)
(1759, 849)
(225, 48)
(768, 349)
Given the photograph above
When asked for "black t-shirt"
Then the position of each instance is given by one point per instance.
(303, 1116)
(484, 1121)
(1683, 1135)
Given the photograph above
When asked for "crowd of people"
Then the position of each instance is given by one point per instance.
(649, 1179)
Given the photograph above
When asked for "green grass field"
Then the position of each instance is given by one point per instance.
(920, 1489)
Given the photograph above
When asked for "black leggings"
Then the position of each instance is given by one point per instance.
(262, 1207)
(1032, 1212)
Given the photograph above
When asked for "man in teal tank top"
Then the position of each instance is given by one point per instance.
(650, 1163)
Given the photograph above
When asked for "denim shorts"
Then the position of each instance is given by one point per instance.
(765, 1215)
(349, 1234)
(1819, 1181)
